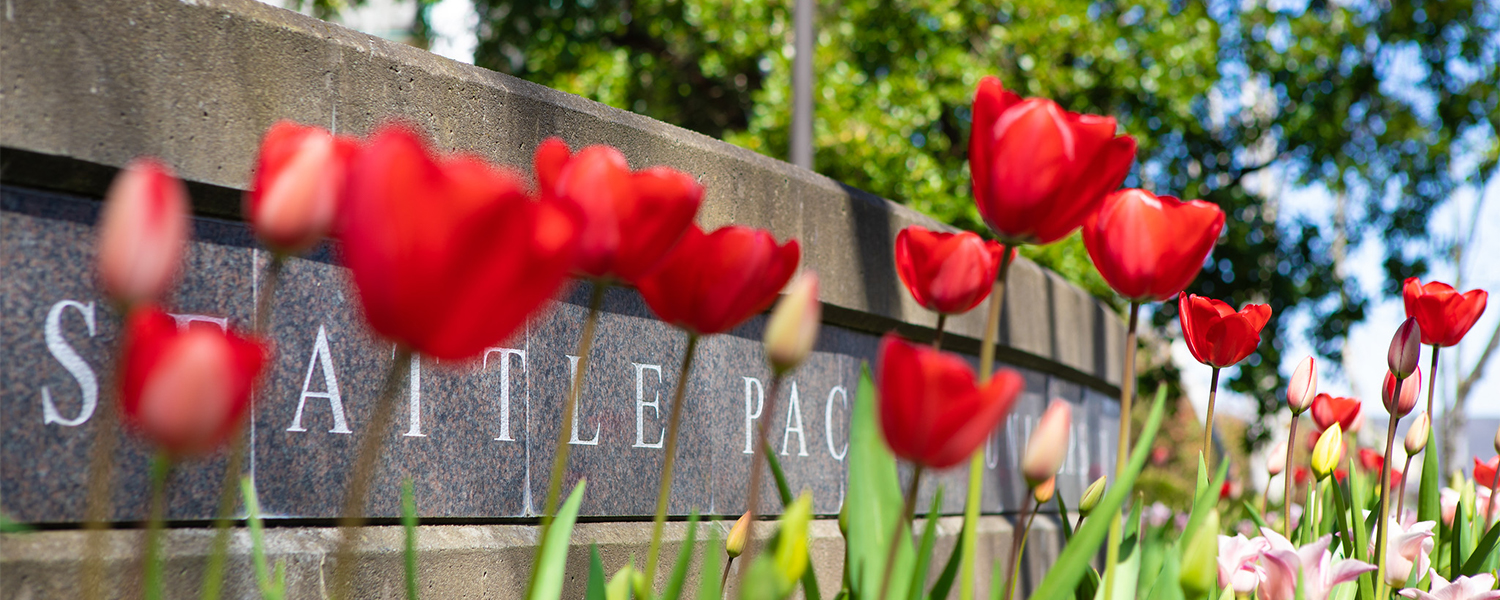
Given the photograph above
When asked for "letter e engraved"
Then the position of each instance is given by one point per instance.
(322, 358)
(794, 411)
(756, 394)
(641, 404)
(578, 409)
(185, 320)
(416, 397)
(505, 354)
(843, 395)
(88, 383)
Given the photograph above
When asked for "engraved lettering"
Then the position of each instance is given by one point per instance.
(185, 320)
(794, 412)
(641, 404)
(756, 394)
(415, 399)
(322, 358)
(843, 395)
(88, 383)
(505, 354)
(578, 410)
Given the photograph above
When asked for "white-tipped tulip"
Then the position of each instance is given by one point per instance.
(1276, 460)
(1303, 387)
(142, 232)
(1048, 445)
(793, 327)
(1416, 437)
(1406, 349)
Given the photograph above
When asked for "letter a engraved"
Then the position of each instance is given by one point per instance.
(88, 384)
(578, 410)
(794, 411)
(415, 401)
(641, 404)
(755, 394)
(843, 394)
(322, 358)
(505, 354)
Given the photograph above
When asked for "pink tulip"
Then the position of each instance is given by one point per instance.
(142, 232)
(1319, 573)
(1276, 460)
(1400, 406)
(1406, 348)
(1303, 386)
(1406, 550)
(1237, 558)
(1477, 587)
(1048, 445)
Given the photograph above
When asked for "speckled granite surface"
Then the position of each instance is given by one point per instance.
(476, 438)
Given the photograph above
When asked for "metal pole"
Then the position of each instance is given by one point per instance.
(802, 86)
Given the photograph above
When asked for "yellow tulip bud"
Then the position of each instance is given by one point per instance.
(1416, 437)
(1043, 491)
(734, 543)
(791, 544)
(793, 327)
(1091, 496)
(1328, 450)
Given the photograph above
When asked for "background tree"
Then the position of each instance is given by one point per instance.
(1231, 102)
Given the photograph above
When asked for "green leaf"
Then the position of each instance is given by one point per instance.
(1128, 569)
(271, 587)
(1456, 544)
(684, 558)
(1483, 553)
(409, 528)
(1063, 517)
(1205, 497)
(944, 583)
(1166, 587)
(711, 573)
(9, 526)
(1254, 513)
(924, 554)
(1073, 562)
(874, 500)
(554, 554)
(595, 589)
(809, 578)
(1429, 508)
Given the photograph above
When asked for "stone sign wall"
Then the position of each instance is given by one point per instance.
(476, 438)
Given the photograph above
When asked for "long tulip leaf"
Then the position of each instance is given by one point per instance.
(924, 552)
(1255, 516)
(1206, 497)
(595, 589)
(874, 500)
(1062, 518)
(944, 583)
(409, 529)
(1456, 543)
(1073, 562)
(1483, 553)
(708, 578)
(1166, 587)
(554, 554)
(1429, 507)
(673, 590)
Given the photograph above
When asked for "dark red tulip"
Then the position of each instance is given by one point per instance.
(449, 254)
(947, 272)
(294, 193)
(186, 390)
(1038, 171)
(710, 283)
(1150, 247)
(631, 220)
(1328, 409)
(1216, 334)
(931, 410)
(1484, 472)
(1443, 314)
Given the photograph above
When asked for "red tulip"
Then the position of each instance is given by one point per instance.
(1327, 410)
(931, 410)
(631, 220)
(299, 176)
(1216, 335)
(1484, 472)
(142, 232)
(1371, 460)
(186, 390)
(1150, 247)
(710, 283)
(1443, 314)
(1411, 387)
(1300, 475)
(449, 255)
(1038, 171)
(947, 272)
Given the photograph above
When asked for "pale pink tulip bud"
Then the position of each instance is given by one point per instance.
(1406, 349)
(1303, 387)
(1276, 460)
(1416, 437)
(1409, 388)
(298, 177)
(142, 232)
(1048, 445)
(793, 327)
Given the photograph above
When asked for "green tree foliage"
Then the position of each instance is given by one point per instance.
(1233, 102)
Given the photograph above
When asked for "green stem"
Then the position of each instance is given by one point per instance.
(908, 507)
(101, 473)
(363, 474)
(1432, 380)
(1127, 394)
(151, 563)
(968, 558)
(1208, 424)
(665, 493)
(1385, 500)
(1401, 498)
(1286, 473)
(752, 495)
(1028, 513)
(561, 447)
(937, 339)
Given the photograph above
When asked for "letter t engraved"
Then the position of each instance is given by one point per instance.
(505, 354)
(415, 400)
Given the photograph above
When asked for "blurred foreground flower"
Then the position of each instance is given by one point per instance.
(1048, 445)
(1237, 559)
(1328, 410)
(1478, 587)
(294, 193)
(1320, 574)
(793, 327)
(143, 230)
(1407, 551)
(931, 410)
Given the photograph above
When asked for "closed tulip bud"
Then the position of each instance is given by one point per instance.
(1406, 349)
(1303, 387)
(791, 541)
(1043, 492)
(299, 175)
(1416, 437)
(1400, 396)
(1200, 566)
(1276, 460)
(734, 543)
(793, 327)
(1325, 455)
(1048, 445)
(1091, 496)
(142, 232)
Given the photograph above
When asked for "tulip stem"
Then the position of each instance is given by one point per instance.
(975, 492)
(724, 578)
(1018, 544)
(1286, 496)
(1385, 498)
(1127, 394)
(364, 473)
(1489, 519)
(1208, 424)
(151, 561)
(101, 473)
(752, 495)
(937, 340)
(1431, 380)
(564, 432)
(665, 493)
(908, 506)
(229, 490)
(1401, 499)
